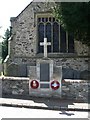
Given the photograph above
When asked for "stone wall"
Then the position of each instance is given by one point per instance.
(73, 68)
(75, 63)
(71, 89)
(75, 89)
(24, 31)
(81, 49)
(15, 86)
(0, 68)
(0, 87)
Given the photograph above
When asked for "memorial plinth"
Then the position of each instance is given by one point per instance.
(45, 77)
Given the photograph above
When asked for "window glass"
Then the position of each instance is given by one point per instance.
(48, 35)
(53, 19)
(43, 19)
(40, 36)
(62, 40)
(55, 37)
(49, 19)
(70, 43)
(46, 19)
(39, 19)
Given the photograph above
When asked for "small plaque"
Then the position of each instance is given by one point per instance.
(44, 72)
(43, 85)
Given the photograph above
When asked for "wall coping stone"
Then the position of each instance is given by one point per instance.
(14, 78)
(75, 81)
(27, 78)
(55, 55)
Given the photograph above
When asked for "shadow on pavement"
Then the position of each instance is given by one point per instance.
(49, 102)
(66, 113)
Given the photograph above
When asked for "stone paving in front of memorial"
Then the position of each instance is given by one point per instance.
(45, 103)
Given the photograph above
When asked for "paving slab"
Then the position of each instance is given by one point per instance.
(46, 103)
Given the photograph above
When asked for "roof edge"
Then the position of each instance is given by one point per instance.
(12, 19)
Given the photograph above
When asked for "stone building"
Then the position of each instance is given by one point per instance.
(29, 28)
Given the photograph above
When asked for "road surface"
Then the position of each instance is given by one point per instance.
(14, 112)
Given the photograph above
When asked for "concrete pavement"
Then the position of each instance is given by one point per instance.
(15, 112)
(46, 103)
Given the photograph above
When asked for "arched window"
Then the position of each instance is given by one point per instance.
(61, 41)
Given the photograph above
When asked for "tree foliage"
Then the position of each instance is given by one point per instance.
(5, 44)
(75, 17)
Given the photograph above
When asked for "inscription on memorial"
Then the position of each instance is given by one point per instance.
(44, 72)
(43, 85)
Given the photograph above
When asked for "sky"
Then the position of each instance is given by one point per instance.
(10, 8)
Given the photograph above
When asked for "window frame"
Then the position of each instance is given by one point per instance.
(49, 14)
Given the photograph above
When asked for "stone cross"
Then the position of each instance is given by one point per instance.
(45, 44)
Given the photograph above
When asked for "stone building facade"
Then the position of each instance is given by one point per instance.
(23, 45)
